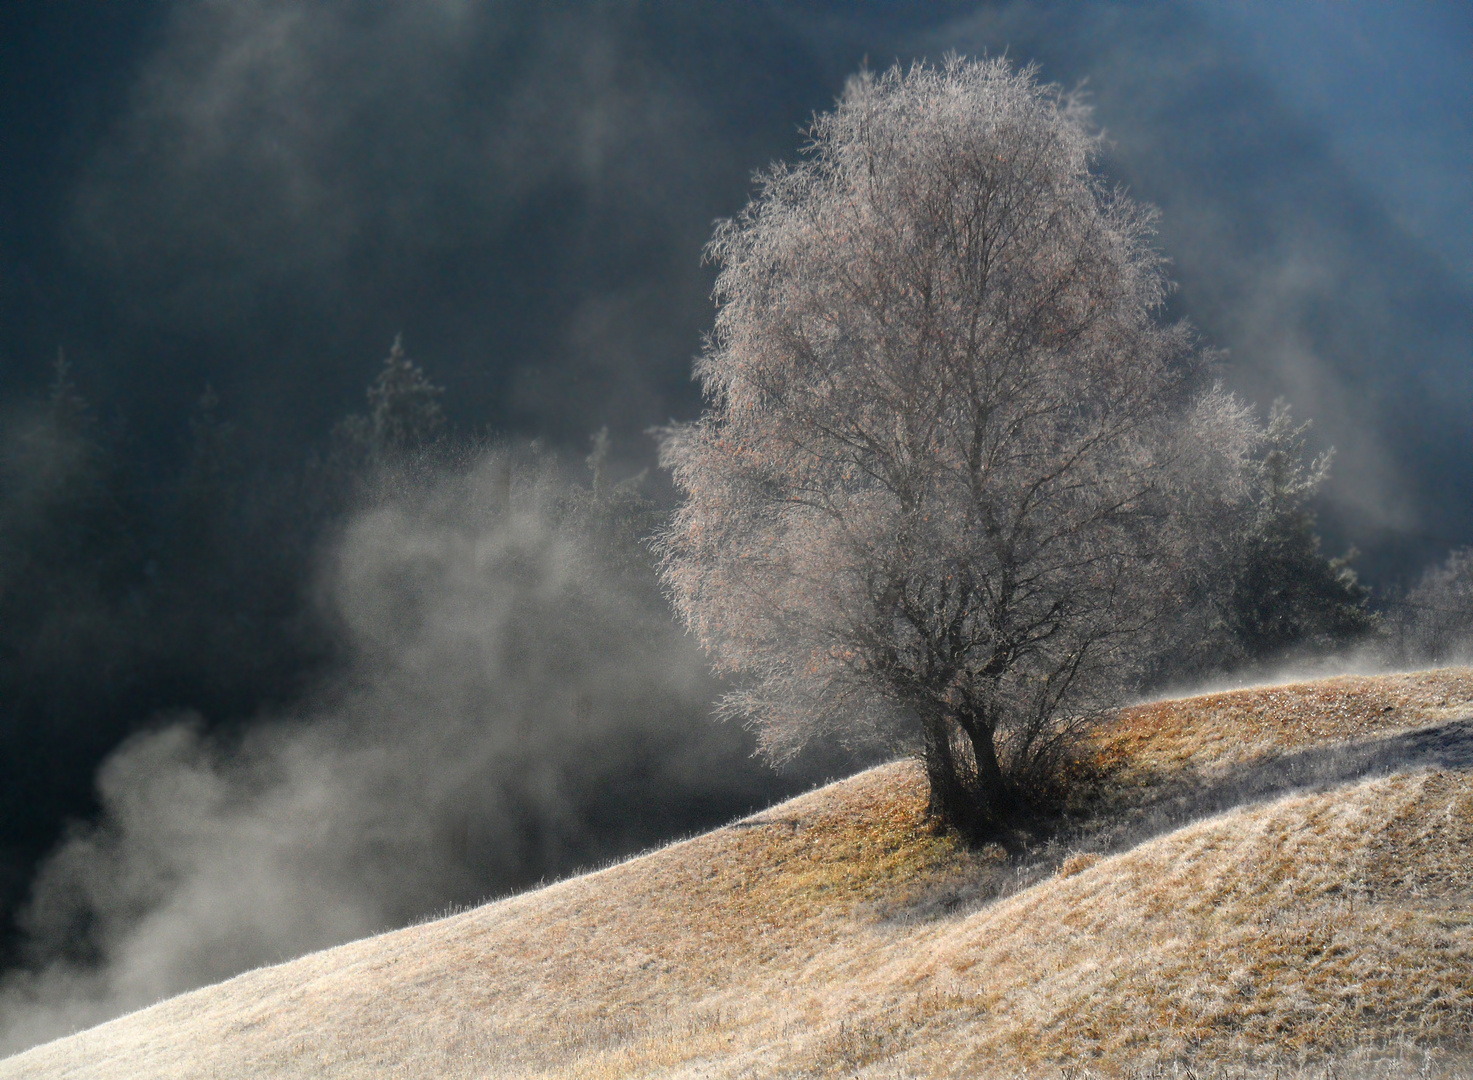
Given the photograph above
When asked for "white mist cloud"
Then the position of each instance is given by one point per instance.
(271, 141)
(289, 173)
(519, 703)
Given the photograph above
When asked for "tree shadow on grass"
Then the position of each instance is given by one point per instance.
(1121, 819)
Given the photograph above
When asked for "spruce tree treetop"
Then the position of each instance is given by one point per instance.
(1287, 594)
(403, 405)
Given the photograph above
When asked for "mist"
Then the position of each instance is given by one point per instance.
(524, 191)
(517, 703)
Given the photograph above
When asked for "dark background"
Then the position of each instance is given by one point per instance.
(258, 195)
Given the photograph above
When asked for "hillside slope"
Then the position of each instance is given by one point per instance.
(836, 935)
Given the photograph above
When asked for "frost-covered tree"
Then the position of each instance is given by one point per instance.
(1435, 618)
(946, 474)
(404, 414)
(403, 405)
(1285, 592)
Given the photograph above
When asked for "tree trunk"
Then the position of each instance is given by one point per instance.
(971, 803)
(950, 801)
(994, 796)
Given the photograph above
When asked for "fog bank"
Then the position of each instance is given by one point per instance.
(519, 703)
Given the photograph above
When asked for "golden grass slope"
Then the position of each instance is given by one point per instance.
(814, 939)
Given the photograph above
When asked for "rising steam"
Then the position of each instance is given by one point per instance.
(519, 703)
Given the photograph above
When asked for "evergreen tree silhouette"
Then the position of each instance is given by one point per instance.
(1286, 592)
(404, 406)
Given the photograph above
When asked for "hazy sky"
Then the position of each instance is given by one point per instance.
(260, 193)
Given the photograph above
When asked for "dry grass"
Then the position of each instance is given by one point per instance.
(1238, 726)
(809, 941)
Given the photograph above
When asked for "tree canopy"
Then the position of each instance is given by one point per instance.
(946, 473)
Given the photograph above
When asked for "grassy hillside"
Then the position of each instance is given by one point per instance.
(1265, 878)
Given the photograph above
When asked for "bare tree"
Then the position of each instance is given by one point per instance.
(1434, 620)
(944, 478)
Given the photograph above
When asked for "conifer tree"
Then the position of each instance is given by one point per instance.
(403, 405)
(1286, 593)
